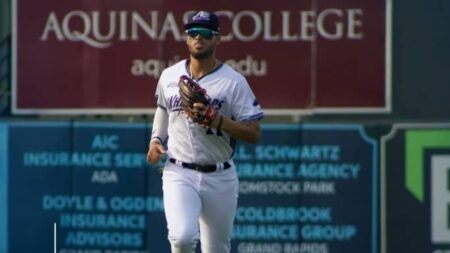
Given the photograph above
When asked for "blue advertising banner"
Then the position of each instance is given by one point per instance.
(416, 212)
(307, 188)
(92, 181)
(86, 187)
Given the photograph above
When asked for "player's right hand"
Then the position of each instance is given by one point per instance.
(155, 152)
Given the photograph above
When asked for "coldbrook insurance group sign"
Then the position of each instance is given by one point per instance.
(106, 56)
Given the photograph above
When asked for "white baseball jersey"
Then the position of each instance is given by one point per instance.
(230, 95)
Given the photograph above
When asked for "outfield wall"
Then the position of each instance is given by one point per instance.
(303, 188)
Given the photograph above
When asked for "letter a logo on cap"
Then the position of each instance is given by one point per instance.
(201, 16)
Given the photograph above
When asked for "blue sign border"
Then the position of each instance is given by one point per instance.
(3, 187)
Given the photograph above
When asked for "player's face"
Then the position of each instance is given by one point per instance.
(202, 42)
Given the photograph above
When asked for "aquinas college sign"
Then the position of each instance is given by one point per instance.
(101, 29)
(106, 57)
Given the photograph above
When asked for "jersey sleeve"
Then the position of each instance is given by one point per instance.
(159, 94)
(160, 124)
(245, 107)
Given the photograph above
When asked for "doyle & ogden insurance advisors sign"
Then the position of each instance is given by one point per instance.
(90, 57)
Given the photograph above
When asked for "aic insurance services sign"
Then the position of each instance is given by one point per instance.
(90, 57)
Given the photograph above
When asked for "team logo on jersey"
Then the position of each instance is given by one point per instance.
(175, 103)
(216, 103)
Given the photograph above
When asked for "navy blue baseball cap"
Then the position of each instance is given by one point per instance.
(203, 19)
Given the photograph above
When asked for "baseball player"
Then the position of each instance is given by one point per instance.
(200, 184)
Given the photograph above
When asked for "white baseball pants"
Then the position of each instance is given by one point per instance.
(197, 203)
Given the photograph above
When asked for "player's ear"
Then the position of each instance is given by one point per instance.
(218, 39)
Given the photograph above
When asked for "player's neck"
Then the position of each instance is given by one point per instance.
(199, 68)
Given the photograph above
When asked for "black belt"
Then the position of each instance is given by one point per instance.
(207, 168)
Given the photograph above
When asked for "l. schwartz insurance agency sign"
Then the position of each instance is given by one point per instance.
(91, 57)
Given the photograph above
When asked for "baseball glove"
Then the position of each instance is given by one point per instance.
(191, 93)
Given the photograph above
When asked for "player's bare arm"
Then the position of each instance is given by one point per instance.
(248, 131)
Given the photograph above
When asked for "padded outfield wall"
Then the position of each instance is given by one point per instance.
(74, 186)
(87, 186)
